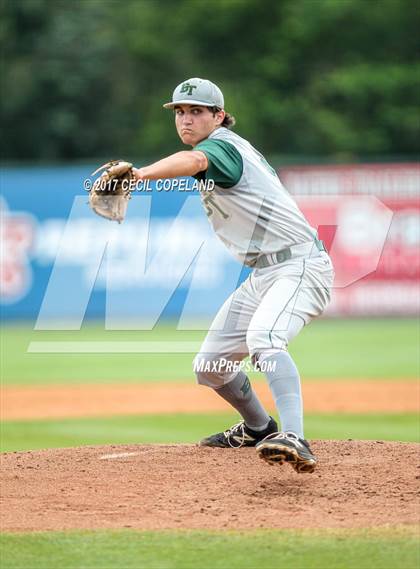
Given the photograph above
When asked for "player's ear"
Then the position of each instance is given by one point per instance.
(220, 117)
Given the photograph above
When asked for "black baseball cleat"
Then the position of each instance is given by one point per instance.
(287, 447)
(239, 436)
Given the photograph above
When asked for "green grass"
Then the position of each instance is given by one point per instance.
(364, 549)
(327, 349)
(353, 349)
(29, 435)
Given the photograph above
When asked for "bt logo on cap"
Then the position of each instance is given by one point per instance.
(188, 88)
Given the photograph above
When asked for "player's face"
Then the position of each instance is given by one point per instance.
(194, 123)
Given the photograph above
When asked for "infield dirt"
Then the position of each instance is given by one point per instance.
(48, 402)
(357, 484)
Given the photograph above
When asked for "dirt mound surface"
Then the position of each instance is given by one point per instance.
(357, 484)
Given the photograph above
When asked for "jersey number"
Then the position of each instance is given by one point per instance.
(210, 205)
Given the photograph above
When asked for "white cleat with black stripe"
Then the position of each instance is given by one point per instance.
(278, 448)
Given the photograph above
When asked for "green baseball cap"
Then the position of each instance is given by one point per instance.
(197, 91)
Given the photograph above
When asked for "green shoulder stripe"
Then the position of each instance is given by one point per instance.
(225, 162)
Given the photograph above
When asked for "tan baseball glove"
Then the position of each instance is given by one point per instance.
(111, 191)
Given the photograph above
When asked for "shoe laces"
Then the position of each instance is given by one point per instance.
(237, 430)
(284, 435)
(293, 437)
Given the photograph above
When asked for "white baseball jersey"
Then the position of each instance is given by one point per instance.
(253, 215)
(249, 209)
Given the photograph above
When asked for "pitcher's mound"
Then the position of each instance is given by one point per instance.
(357, 484)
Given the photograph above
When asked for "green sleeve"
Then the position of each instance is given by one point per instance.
(225, 163)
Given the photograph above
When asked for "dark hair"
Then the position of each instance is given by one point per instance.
(228, 122)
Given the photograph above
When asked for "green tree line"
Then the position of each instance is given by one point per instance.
(338, 79)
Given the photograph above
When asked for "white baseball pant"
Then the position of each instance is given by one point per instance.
(264, 314)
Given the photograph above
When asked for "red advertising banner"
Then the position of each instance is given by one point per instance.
(374, 241)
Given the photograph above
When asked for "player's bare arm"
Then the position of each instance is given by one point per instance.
(184, 163)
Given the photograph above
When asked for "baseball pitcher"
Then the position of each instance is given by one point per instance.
(261, 225)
